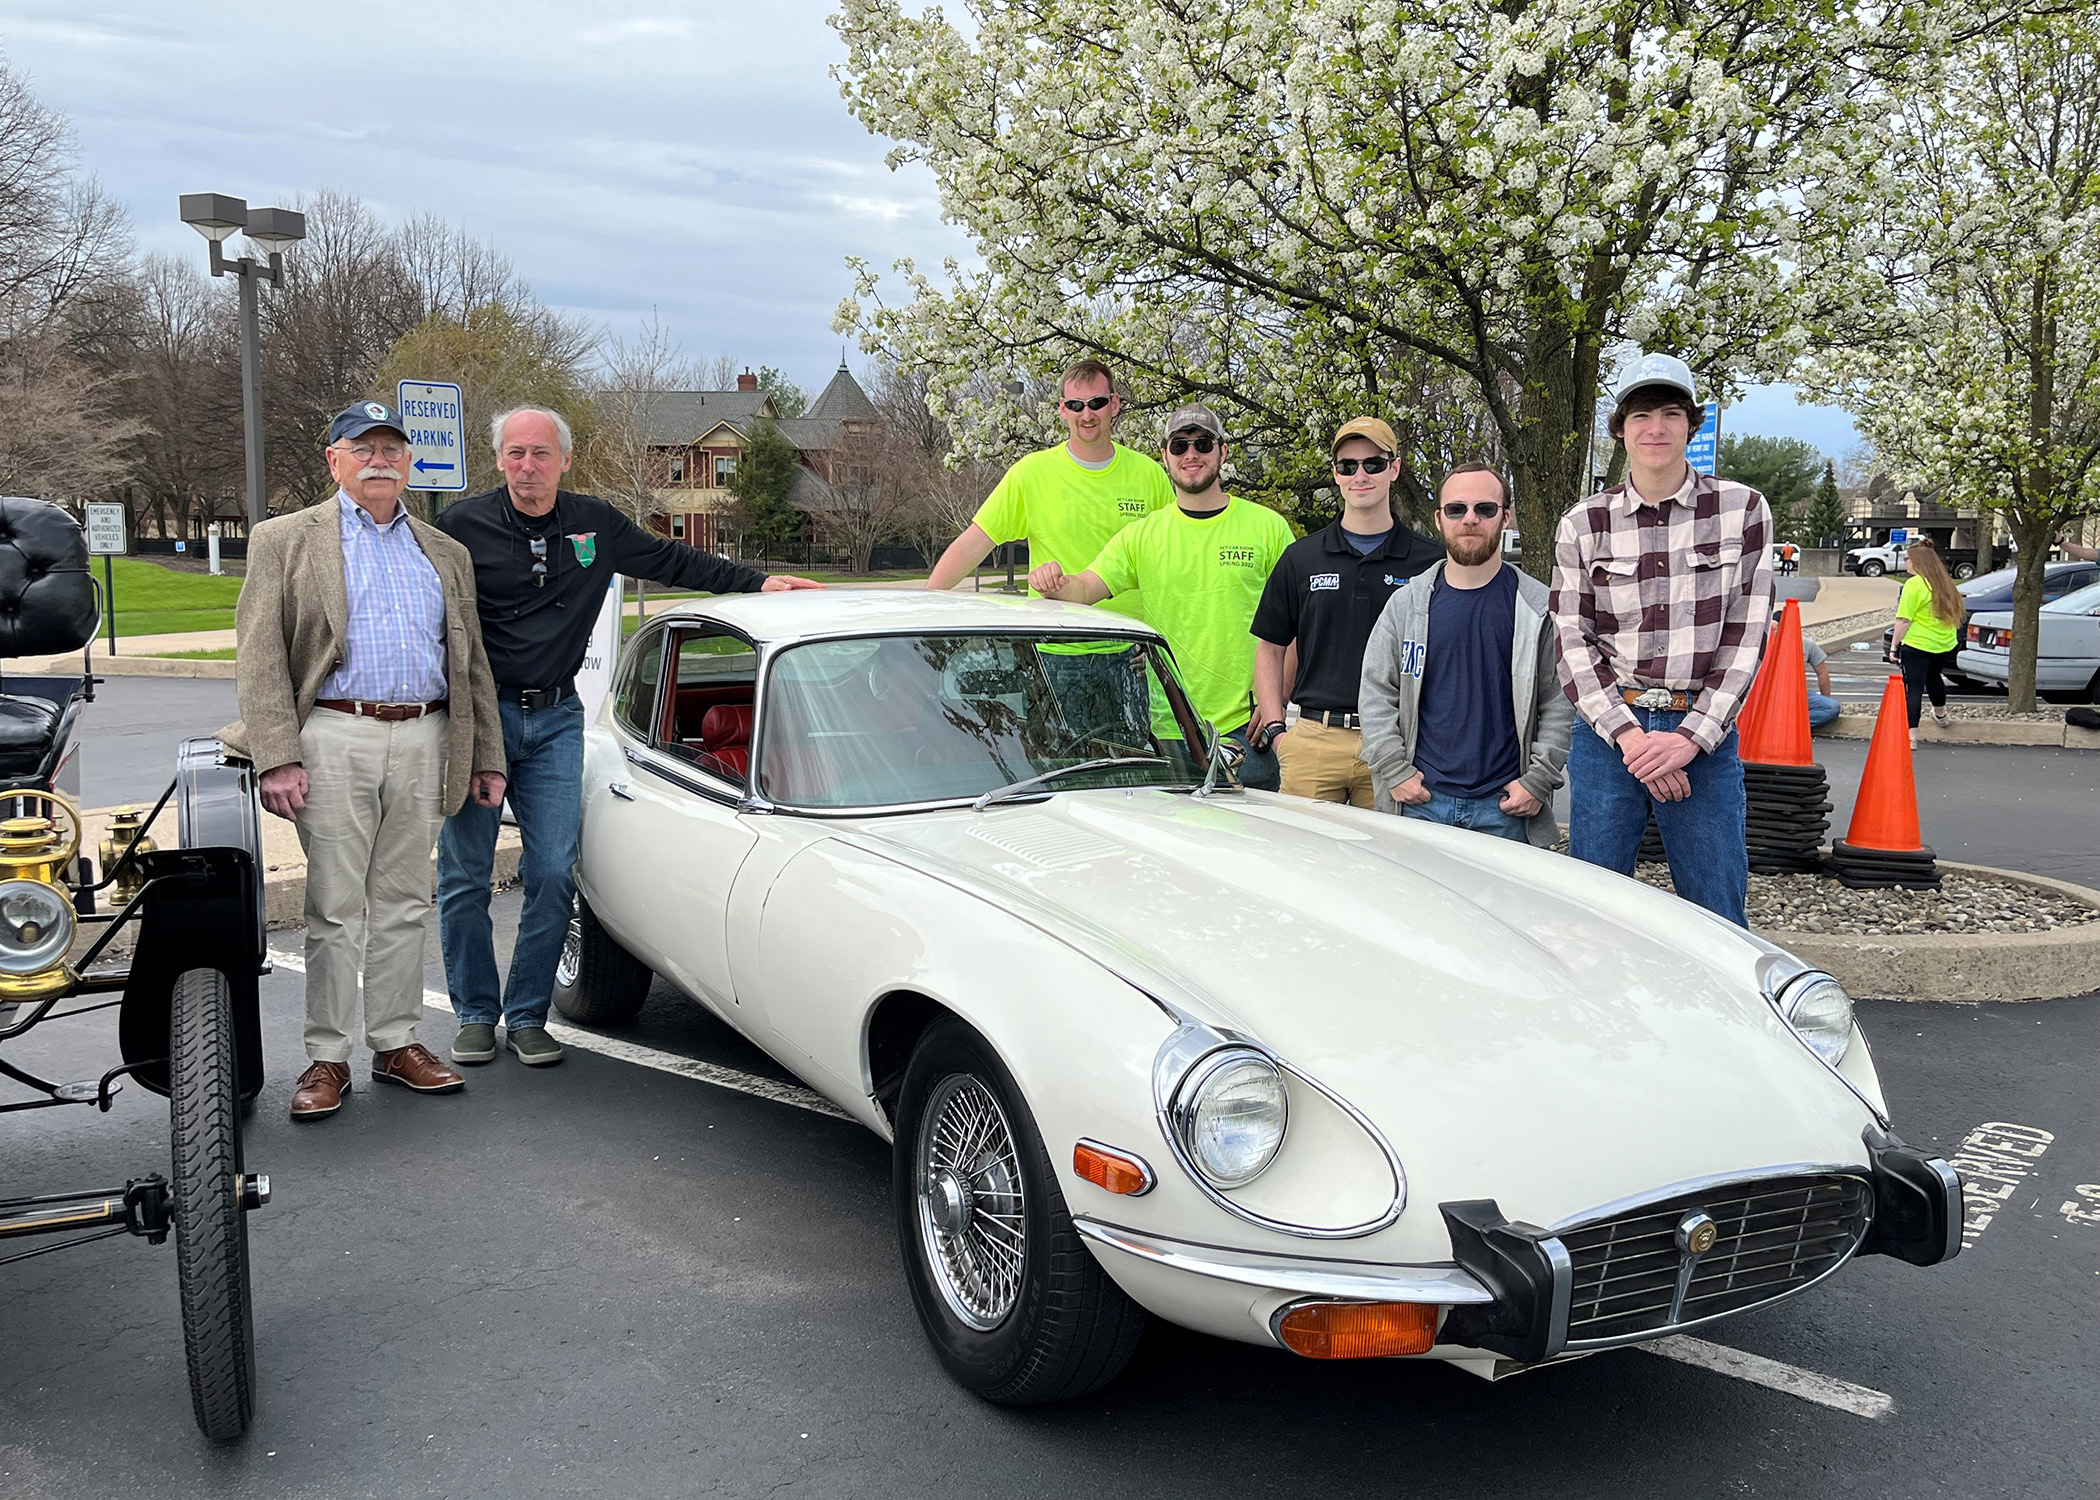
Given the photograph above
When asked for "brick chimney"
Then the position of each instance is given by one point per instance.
(747, 381)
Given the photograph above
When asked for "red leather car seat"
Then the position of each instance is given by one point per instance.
(725, 738)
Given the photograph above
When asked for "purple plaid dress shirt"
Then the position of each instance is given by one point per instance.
(394, 642)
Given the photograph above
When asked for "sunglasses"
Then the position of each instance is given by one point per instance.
(1095, 403)
(539, 562)
(1487, 510)
(1347, 466)
(1181, 445)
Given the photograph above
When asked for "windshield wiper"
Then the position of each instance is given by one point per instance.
(1016, 788)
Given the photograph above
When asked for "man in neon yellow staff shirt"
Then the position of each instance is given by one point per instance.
(1202, 566)
(1067, 501)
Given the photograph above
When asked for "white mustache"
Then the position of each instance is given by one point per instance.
(378, 471)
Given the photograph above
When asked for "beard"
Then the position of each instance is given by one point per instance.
(1199, 484)
(1472, 551)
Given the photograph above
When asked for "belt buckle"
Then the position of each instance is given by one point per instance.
(1655, 698)
(534, 699)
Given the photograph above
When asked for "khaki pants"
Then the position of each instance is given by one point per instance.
(374, 800)
(1323, 763)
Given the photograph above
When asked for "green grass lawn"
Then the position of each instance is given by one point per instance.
(152, 600)
(223, 653)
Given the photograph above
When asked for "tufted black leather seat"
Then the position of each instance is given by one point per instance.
(27, 728)
(47, 595)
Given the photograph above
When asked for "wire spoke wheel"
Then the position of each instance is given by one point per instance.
(569, 967)
(971, 1205)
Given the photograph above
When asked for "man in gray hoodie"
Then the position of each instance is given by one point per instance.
(1464, 722)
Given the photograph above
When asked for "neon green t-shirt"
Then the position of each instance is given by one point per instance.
(1202, 580)
(1068, 512)
(1928, 632)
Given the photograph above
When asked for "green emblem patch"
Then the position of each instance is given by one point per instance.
(586, 545)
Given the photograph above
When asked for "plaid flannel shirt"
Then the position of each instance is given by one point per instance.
(1675, 593)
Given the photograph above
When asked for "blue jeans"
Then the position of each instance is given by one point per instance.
(1822, 709)
(1260, 771)
(1702, 835)
(545, 750)
(1481, 814)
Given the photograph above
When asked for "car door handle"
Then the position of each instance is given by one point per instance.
(619, 789)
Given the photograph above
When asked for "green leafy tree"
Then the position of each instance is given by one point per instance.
(764, 477)
(1290, 208)
(1783, 470)
(789, 399)
(1826, 512)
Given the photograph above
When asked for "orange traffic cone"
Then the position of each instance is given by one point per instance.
(1772, 729)
(1882, 847)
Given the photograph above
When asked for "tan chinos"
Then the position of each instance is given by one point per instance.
(374, 804)
(1324, 762)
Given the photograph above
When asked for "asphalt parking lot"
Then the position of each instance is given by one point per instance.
(614, 1277)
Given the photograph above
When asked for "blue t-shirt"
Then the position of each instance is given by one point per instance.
(1466, 743)
(1365, 544)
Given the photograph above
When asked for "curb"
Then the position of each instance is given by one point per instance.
(2058, 736)
(284, 896)
(123, 666)
(1962, 967)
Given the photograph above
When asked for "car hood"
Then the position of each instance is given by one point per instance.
(1490, 998)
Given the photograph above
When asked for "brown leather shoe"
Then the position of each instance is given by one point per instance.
(415, 1067)
(320, 1091)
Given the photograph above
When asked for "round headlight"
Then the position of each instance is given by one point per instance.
(36, 926)
(1231, 1112)
(1818, 1008)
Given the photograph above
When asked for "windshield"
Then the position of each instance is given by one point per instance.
(905, 719)
(2085, 601)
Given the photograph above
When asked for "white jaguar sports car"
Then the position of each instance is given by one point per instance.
(1146, 1042)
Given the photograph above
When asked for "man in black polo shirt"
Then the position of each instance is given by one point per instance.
(1325, 595)
(542, 555)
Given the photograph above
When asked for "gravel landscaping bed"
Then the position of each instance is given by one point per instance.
(1958, 710)
(1844, 625)
(1964, 904)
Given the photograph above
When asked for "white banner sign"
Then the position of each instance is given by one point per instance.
(594, 677)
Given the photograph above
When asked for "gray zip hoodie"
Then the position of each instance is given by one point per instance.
(1390, 698)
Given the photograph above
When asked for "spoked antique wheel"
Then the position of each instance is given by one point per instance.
(1016, 1306)
(211, 1223)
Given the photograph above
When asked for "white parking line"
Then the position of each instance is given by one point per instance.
(646, 1057)
(1839, 1395)
(1824, 1390)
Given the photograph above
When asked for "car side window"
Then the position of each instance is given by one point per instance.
(634, 701)
(707, 715)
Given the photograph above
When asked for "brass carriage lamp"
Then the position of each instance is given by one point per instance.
(126, 831)
(36, 911)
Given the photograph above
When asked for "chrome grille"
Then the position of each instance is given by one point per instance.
(1632, 1279)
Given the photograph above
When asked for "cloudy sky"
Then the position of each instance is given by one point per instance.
(693, 158)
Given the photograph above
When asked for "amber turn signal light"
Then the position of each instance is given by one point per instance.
(1106, 1167)
(1358, 1330)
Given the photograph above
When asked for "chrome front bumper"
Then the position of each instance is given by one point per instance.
(1449, 1285)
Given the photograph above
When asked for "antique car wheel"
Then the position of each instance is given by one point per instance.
(1018, 1310)
(596, 981)
(211, 1226)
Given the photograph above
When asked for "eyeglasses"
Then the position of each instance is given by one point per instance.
(1181, 445)
(539, 562)
(1487, 510)
(1095, 403)
(1347, 466)
(365, 452)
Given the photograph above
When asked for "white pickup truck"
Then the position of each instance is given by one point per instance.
(1872, 562)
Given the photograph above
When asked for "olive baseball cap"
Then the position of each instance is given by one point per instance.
(1369, 428)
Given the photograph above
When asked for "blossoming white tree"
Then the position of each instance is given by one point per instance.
(1292, 207)
(1984, 377)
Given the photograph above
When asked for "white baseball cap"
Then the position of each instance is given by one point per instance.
(1656, 369)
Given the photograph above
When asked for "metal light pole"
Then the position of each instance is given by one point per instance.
(216, 216)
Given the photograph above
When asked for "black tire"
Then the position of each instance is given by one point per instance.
(596, 981)
(1066, 1328)
(1872, 568)
(211, 1229)
(1963, 572)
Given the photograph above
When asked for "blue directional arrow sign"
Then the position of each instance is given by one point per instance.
(437, 430)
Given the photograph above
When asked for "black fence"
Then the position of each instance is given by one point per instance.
(166, 546)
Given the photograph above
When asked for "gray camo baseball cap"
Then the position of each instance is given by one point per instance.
(1196, 419)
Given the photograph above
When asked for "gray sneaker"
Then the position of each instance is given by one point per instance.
(474, 1043)
(534, 1047)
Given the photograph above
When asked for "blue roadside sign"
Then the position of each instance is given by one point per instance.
(1702, 449)
(1899, 537)
(437, 430)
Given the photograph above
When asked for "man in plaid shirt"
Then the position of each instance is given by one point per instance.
(1662, 590)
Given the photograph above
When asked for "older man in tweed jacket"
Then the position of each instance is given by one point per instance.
(366, 704)
(1662, 589)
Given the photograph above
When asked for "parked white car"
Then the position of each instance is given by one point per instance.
(1281, 1071)
(2067, 656)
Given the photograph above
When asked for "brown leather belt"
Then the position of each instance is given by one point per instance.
(386, 713)
(1652, 698)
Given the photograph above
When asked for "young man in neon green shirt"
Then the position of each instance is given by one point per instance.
(1202, 565)
(1067, 502)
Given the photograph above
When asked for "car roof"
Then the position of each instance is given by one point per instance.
(2000, 578)
(856, 611)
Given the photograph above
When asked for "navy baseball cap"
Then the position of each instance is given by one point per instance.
(361, 417)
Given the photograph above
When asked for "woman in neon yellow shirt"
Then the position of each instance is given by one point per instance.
(1928, 631)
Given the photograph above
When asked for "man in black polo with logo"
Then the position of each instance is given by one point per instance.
(1325, 595)
(542, 555)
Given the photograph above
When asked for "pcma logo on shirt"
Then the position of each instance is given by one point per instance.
(1326, 581)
